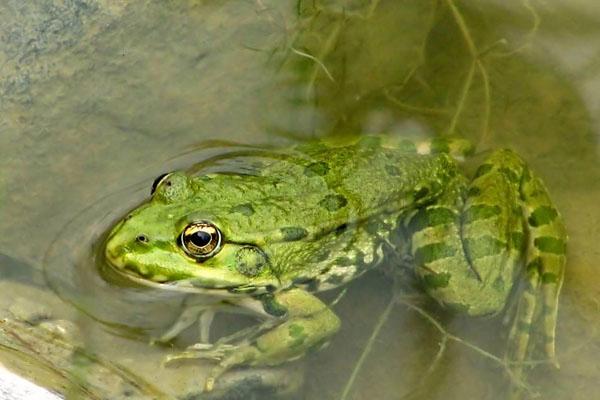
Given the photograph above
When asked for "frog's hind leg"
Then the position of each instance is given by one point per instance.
(470, 245)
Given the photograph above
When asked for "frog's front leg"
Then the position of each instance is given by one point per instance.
(306, 323)
(471, 246)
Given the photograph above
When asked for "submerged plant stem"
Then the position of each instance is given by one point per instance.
(446, 336)
(316, 60)
(462, 99)
(357, 367)
(462, 25)
(476, 63)
(487, 104)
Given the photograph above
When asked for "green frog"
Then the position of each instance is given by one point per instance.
(302, 220)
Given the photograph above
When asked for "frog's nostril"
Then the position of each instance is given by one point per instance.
(142, 239)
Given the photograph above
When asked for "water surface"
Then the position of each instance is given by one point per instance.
(97, 98)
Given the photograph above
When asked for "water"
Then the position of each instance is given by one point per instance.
(97, 98)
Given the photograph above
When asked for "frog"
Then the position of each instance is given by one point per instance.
(312, 217)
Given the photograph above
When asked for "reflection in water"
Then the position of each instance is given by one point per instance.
(97, 97)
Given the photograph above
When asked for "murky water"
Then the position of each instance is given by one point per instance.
(97, 98)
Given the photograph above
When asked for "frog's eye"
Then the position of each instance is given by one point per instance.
(200, 240)
(157, 182)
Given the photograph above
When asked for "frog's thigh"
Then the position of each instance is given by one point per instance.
(467, 253)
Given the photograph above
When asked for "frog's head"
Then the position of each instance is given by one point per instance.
(173, 241)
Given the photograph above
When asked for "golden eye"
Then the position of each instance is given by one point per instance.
(200, 240)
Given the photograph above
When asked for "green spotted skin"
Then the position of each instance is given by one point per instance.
(311, 218)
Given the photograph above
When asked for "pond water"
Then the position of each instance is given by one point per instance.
(98, 98)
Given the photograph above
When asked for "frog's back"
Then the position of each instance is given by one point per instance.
(374, 178)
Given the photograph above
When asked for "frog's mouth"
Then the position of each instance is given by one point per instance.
(196, 285)
(185, 276)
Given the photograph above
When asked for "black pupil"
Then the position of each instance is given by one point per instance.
(200, 238)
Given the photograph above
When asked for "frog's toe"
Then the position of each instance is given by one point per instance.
(211, 351)
(239, 356)
(206, 351)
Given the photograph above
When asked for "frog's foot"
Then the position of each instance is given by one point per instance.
(221, 348)
(244, 355)
(215, 352)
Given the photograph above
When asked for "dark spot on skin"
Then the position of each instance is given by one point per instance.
(483, 169)
(128, 217)
(439, 145)
(435, 281)
(550, 244)
(270, 288)
(297, 334)
(549, 277)
(432, 252)
(534, 266)
(244, 209)
(542, 215)
(333, 202)
(293, 233)
(341, 229)
(429, 217)
(420, 193)
(474, 191)
(510, 174)
(321, 256)
(271, 306)
(435, 187)
(316, 169)
(392, 170)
